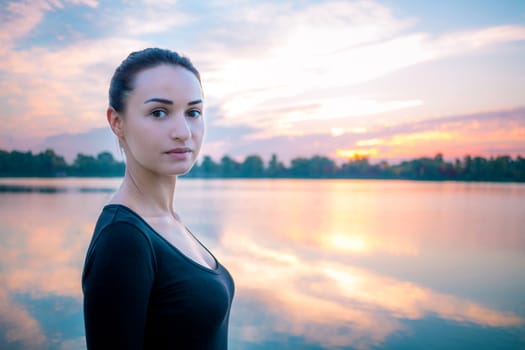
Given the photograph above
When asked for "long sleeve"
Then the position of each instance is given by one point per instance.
(117, 281)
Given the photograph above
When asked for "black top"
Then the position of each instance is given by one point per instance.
(141, 292)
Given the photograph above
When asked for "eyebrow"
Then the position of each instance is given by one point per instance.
(161, 100)
(196, 102)
(170, 102)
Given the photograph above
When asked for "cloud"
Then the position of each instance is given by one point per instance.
(304, 63)
(18, 19)
(69, 95)
(91, 142)
(465, 41)
(283, 69)
(89, 3)
(487, 134)
(151, 17)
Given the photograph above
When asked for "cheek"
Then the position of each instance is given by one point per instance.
(198, 131)
(140, 137)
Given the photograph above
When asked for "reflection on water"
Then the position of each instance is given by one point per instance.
(58, 185)
(317, 264)
(43, 240)
(317, 299)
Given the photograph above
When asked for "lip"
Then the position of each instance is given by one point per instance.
(179, 150)
(179, 153)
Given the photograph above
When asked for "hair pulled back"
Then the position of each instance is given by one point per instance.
(124, 76)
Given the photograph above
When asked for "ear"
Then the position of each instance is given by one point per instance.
(115, 122)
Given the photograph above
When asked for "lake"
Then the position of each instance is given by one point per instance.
(318, 264)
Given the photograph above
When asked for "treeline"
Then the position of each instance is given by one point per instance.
(50, 164)
(501, 168)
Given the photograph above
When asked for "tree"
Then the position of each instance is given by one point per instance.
(500, 168)
(275, 168)
(253, 166)
(299, 167)
(321, 167)
(85, 165)
(48, 163)
(208, 167)
(229, 167)
(108, 166)
(357, 167)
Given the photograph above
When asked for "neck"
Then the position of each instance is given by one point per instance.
(147, 193)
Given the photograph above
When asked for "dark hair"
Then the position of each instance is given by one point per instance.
(122, 80)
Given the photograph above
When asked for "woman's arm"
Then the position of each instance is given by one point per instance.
(117, 282)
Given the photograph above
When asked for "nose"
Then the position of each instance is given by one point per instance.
(179, 128)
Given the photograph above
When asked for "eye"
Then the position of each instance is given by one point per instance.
(193, 113)
(159, 113)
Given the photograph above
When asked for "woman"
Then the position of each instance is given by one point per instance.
(148, 283)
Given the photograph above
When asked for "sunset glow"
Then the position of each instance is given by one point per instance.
(277, 75)
(357, 153)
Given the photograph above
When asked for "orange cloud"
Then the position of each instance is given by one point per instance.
(356, 153)
(491, 133)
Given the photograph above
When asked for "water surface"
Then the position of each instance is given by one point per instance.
(318, 264)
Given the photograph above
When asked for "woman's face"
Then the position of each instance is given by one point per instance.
(163, 126)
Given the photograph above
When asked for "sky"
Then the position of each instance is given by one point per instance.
(391, 79)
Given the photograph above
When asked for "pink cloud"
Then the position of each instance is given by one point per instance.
(19, 18)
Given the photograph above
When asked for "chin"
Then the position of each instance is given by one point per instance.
(180, 170)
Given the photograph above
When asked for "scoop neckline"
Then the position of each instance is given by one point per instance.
(177, 250)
